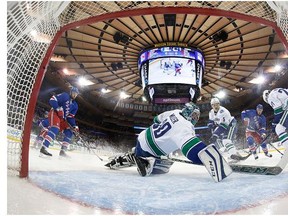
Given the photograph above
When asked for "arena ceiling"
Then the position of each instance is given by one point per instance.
(246, 49)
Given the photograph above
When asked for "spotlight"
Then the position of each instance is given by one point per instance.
(119, 65)
(222, 64)
(170, 19)
(223, 35)
(114, 66)
(228, 65)
(117, 37)
(124, 39)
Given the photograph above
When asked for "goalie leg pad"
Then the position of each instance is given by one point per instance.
(217, 167)
(162, 166)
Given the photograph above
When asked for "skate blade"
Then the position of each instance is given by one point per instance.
(41, 155)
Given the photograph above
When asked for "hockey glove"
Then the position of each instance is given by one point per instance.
(263, 136)
(76, 130)
(60, 112)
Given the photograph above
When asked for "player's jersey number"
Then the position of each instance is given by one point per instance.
(160, 129)
(283, 91)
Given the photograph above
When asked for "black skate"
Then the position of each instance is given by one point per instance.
(267, 154)
(141, 166)
(44, 151)
(63, 154)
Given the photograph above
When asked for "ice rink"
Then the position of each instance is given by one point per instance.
(83, 185)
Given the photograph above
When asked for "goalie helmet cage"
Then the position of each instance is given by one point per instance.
(34, 28)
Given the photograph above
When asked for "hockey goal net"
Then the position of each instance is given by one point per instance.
(33, 29)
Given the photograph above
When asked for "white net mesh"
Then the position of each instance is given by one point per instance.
(32, 25)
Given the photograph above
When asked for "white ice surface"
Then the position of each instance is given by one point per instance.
(83, 185)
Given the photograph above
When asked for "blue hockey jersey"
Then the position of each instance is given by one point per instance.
(256, 123)
(70, 107)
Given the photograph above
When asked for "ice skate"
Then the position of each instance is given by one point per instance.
(144, 166)
(44, 151)
(255, 156)
(63, 154)
(267, 154)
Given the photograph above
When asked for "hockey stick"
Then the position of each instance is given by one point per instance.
(87, 145)
(275, 148)
(261, 170)
(237, 157)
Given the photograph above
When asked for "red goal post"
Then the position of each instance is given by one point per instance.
(33, 30)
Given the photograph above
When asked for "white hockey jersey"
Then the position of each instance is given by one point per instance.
(222, 117)
(278, 99)
(170, 134)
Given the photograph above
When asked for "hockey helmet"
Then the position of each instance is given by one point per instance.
(265, 95)
(75, 91)
(46, 114)
(214, 101)
(191, 112)
(259, 106)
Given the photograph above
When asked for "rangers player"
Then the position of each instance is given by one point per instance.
(61, 117)
(43, 123)
(255, 123)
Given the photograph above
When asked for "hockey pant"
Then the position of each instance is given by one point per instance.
(254, 138)
(148, 164)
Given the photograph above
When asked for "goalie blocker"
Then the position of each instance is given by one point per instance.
(216, 165)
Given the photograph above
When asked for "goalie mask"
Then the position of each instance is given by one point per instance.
(191, 112)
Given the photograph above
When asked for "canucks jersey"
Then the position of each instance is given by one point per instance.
(278, 100)
(222, 118)
(256, 123)
(171, 131)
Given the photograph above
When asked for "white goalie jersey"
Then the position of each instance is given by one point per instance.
(170, 134)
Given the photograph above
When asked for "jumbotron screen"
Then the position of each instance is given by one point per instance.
(171, 64)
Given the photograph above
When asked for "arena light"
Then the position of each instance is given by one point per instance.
(105, 90)
(84, 82)
(220, 94)
(277, 68)
(123, 95)
(258, 80)
(58, 58)
(40, 37)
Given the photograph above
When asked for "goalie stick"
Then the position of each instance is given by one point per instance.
(261, 170)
